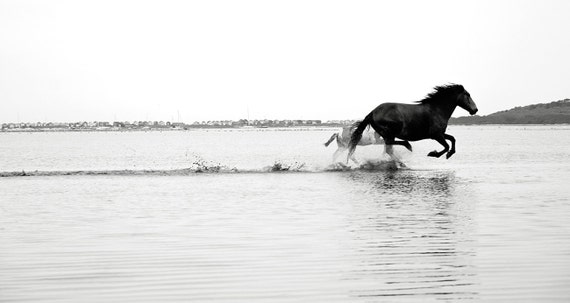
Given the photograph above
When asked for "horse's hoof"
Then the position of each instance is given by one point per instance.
(434, 154)
(408, 146)
(449, 154)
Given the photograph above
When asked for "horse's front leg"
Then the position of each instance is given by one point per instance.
(437, 154)
(452, 140)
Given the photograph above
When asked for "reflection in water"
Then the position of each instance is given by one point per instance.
(99, 223)
(413, 235)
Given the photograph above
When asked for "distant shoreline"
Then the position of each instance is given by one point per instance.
(553, 113)
(291, 128)
(65, 130)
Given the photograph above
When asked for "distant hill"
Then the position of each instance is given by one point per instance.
(545, 113)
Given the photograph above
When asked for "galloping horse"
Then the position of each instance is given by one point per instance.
(343, 140)
(413, 122)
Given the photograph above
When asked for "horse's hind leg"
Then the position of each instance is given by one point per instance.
(452, 140)
(406, 144)
(391, 141)
(388, 132)
(337, 153)
(437, 154)
(389, 149)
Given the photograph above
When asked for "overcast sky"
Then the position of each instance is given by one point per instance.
(211, 60)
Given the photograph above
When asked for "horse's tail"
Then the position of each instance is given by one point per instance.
(335, 135)
(357, 134)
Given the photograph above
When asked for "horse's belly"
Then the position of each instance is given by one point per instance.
(416, 135)
(411, 138)
(416, 129)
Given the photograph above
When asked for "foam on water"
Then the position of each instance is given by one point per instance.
(201, 167)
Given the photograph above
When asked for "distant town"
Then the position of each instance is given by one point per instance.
(166, 125)
(557, 112)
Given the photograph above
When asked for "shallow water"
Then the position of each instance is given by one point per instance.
(93, 224)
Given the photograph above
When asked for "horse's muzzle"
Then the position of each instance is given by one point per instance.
(473, 112)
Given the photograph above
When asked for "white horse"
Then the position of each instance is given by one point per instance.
(369, 137)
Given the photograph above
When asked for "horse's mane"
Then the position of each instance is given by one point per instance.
(442, 92)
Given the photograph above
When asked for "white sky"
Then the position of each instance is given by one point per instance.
(211, 60)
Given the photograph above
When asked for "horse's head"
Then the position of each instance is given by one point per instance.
(464, 101)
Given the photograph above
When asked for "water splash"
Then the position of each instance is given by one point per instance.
(200, 166)
(279, 166)
(382, 165)
(338, 166)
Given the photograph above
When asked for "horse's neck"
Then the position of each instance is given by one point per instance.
(443, 109)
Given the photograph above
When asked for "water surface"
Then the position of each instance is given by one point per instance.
(491, 223)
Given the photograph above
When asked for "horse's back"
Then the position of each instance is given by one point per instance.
(390, 109)
(408, 121)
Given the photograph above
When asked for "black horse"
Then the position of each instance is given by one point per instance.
(413, 122)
